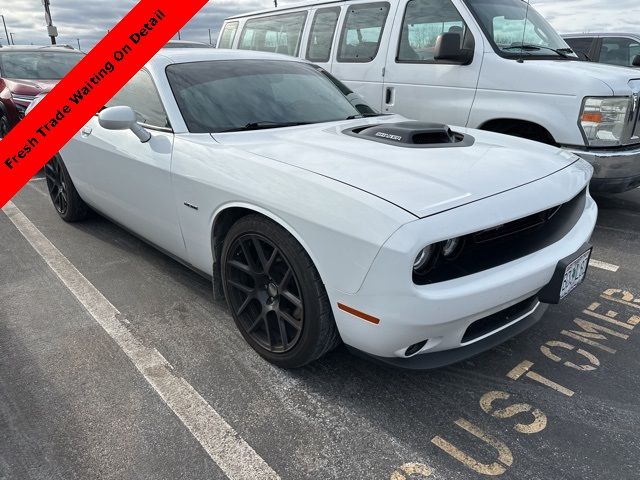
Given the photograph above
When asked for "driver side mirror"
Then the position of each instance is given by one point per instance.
(123, 118)
(448, 49)
(636, 61)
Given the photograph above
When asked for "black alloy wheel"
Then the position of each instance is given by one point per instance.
(63, 193)
(264, 293)
(56, 183)
(275, 293)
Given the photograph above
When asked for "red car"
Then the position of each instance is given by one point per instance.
(27, 71)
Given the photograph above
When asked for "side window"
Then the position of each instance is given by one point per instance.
(278, 33)
(141, 95)
(580, 45)
(323, 30)
(619, 51)
(424, 21)
(362, 32)
(228, 35)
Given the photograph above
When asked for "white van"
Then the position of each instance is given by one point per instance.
(490, 64)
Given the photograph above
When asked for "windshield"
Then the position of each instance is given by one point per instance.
(227, 95)
(37, 65)
(517, 30)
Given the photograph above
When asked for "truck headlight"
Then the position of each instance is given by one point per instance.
(603, 120)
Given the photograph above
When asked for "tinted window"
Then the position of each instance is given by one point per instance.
(321, 36)
(619, 51)
(362, 32)
(278, 34)
(228, 35)
(141, 95)
(223, 95)
(580, 45)
(37, 65)
(424, 21)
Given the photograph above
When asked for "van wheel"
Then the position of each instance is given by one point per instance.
(275, 294)
(63, 193)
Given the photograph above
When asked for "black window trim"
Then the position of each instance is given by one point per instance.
(343, 31)
(333, 35)
(262, 17)
(235, 32)
(434, 62)
(146, 125)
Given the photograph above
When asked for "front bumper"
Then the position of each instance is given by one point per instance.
(443, 312)
(448, 357)
(615, 170)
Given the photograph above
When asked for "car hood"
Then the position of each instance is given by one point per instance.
(615, 77)
(422, 181)
(560, 77)
(30, 87)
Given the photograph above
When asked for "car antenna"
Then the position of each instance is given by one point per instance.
(524, 32)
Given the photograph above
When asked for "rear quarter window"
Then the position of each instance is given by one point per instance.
(228, 35)
(276, 34)
(362, 32)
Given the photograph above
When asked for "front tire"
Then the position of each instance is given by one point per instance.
(63, 193)
(275, 294)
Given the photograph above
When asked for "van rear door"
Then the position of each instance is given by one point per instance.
(415, 84)
(360, 52)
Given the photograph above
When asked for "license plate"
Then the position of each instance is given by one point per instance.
(574, 274)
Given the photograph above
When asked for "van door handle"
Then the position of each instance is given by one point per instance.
(389, 96)
(86, 131)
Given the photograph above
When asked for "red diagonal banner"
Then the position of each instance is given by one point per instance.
(98, 77)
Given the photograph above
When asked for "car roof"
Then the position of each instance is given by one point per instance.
(186, 42)
(38, 48)
(601, 34)
(188, 55)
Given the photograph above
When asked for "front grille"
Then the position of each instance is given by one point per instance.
(493, 322)
(505, 243)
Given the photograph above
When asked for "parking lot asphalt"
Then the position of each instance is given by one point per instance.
(560, 401)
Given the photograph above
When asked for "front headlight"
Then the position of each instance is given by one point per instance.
(603, 120)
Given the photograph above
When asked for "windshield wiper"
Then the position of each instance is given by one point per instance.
(366, 115)
(560, 51)
(264, 126)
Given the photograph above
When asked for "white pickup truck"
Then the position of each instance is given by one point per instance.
(489, 64)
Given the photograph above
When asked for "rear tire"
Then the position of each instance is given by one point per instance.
(275, 294)
(63, 193)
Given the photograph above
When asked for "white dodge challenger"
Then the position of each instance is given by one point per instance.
(322, 221)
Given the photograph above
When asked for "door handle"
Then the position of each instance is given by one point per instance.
(389, 96)
(86, 131)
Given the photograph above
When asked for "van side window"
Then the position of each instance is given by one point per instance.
(228, 35)
(619, 51)
(323, 29)
(362, 32)
(424, 21)
(277, 33)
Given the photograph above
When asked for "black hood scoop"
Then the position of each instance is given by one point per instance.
(412, 135)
